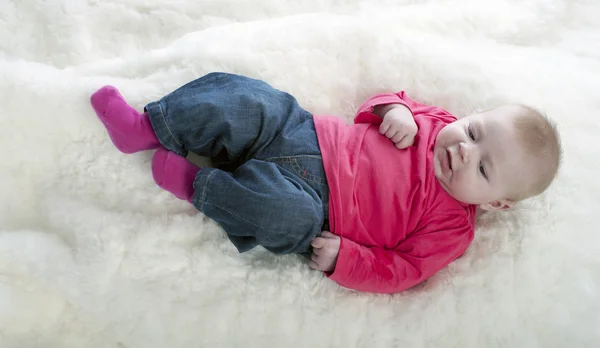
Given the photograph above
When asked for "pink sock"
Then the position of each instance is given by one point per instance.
(129, 130)
(174, 173)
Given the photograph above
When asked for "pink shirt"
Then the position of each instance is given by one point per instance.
(397, 225)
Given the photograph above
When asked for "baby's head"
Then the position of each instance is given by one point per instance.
(498, 157)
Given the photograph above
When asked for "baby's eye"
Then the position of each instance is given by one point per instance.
(471, 135)
(482, 170)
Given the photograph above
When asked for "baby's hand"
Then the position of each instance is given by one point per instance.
(325, 252)
(399, 126)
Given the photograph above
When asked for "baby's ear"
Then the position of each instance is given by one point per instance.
(503, 204)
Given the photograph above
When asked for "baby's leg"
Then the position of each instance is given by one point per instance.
(258, 204)
(225, 117)
(129, 130)
(261, 203)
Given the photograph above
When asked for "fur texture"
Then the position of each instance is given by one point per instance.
(94, 254)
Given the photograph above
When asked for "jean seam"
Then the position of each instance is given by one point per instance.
(162, 114)
(294, 105)
(271, 159)
(293, 161)
(309, 176)
(207, 182)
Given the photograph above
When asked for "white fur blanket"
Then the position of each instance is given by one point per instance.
(93, 254)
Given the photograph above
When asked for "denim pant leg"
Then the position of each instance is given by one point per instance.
(279, 200)
(261, 203)
(226, 117)
(260, 135)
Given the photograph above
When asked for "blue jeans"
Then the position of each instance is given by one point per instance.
(268, 186)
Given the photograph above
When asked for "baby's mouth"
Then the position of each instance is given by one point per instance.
(449, 158)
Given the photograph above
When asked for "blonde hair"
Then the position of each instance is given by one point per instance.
(540, 138)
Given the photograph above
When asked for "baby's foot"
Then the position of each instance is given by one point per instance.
(174, 173)
(129, 130)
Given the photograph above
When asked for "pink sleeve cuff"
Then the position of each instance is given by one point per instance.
(365, 112)
(342, 271)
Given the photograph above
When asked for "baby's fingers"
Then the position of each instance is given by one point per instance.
(314, 257)
(318, 242)
(313, 265)
(406, 142)
(398, 137)
(391, 132)
(383, 128)
(327, 234)
(316, 262)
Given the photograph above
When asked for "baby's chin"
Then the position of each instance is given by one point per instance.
(442, 175)
(441, 178)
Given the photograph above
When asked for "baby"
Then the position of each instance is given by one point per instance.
(379, 206)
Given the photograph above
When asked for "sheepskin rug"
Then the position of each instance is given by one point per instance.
(93, 254)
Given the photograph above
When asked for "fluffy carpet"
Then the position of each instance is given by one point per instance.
(93, 254)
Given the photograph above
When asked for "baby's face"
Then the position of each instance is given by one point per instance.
(478, 160)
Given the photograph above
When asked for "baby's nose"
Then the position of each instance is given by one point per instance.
(465, 152)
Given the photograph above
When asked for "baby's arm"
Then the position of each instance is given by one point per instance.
(383, 109)
(398, 124)
(374, 109)
(394, 117)
(380, 270)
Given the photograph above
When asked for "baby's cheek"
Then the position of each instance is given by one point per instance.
(468, 187)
